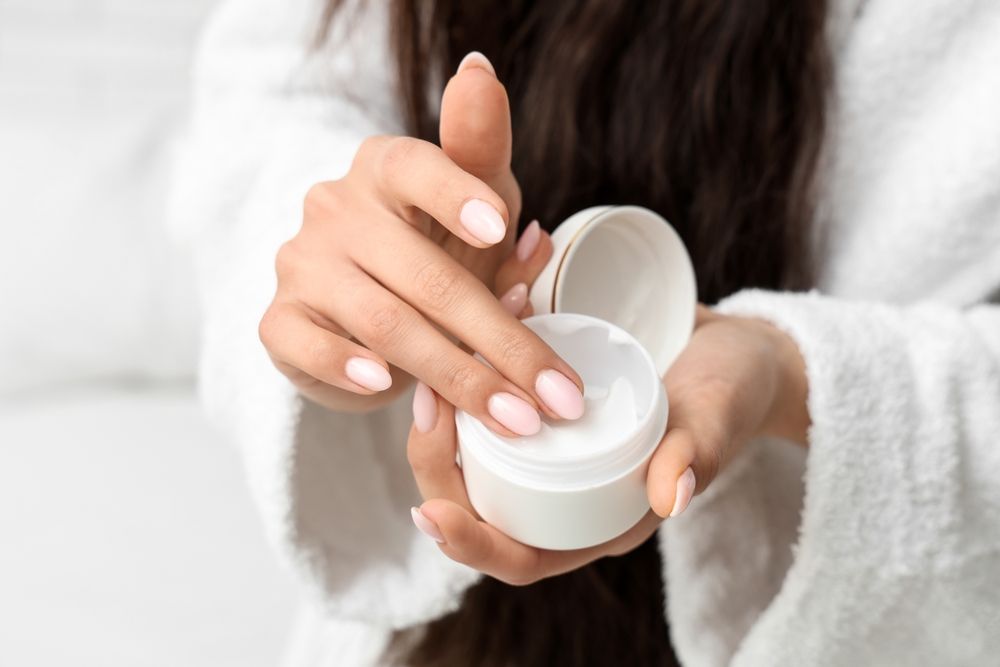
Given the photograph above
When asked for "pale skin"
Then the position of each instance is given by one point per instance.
(376, 244)
(385, 271)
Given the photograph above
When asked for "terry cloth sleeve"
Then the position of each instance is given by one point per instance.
(273, 115)
(899, 535)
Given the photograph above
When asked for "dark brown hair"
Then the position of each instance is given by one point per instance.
(710, 112)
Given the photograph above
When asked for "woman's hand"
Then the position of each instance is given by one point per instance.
(737, 379)
(399, 254)
(448, 516)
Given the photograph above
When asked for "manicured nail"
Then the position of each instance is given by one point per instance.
(476, 59)
(482, 221)
(685, 489)
(560, 394)
(425, 408)
(515, 299)
(426, 526)
(528, 242)
(368, 374)
(514, 413)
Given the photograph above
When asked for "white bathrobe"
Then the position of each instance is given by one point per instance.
(879, 544)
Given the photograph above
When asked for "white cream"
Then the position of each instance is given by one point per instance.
(609, 414)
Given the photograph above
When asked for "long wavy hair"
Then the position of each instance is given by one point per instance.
(710, 112)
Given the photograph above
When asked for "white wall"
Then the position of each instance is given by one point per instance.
(126, 533)
(127, 538)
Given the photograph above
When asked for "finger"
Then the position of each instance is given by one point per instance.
(429, 279)
(691, 453)
(671, 461)
(479, 545)
(414, 174)
(395, 330)
(432, 446)
(293, 339)
(515, 300)
(532, 252)
(475, 127)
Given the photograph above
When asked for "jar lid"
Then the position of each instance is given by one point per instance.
(625, 265)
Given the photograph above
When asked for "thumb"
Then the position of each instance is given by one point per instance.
(690, 455)
(475, 124)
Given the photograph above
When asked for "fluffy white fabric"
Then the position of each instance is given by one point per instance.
(877, 545)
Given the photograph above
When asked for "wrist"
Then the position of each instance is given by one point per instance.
(789, 414)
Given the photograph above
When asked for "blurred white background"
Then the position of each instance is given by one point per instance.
(126, 534)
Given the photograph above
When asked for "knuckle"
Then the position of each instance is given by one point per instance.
(322, 353)
(369, 148)
(287, 259)
(445, 191)
(320, 199)
(710, 461)
(422, 459)
(520, 568)
(513, 347)
(316, 192)
(268, 327)
(384, 323)
(439, 285)
(462, 379)
(394, 156)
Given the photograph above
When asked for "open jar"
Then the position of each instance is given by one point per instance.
(617, 302)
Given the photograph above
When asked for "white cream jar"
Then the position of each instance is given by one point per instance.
(616, 302)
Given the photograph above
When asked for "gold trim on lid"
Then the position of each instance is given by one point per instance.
(565, 254)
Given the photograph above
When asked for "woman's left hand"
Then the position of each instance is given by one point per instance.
(737, 379)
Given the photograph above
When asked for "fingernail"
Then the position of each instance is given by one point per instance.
(515, 299)
(560, 394)
(482, 221)
(425, 408)
(476, 59)
(426, 526)
(368, 374)
(685, 489)
(529, 241)
(514, 413)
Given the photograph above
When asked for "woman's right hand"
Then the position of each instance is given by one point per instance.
(402, 252)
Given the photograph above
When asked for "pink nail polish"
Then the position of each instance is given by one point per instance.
(515, 299)
(476, 59)
(425, 408)
(685, 489)
(482, 221)
(368, 374)
(560, 394)
(426, 526)
(514, 413)
(528, 242)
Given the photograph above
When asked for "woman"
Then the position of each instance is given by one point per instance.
(842, 442)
